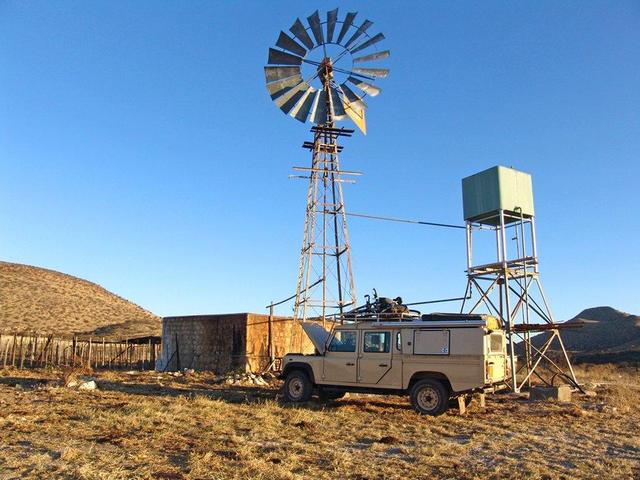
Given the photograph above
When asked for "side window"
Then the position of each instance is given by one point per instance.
(343, 341)
(377, 342)
(398, 342)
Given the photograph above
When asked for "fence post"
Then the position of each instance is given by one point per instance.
(6, 353)
(21, 353)
(13, 351)
(34, 348)
(153, 356)
(73, 351)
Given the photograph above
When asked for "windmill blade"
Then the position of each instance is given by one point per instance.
(363, 28)
(336, 101)
(289, 104)
(320, 111)
(372, 41)
(365, 87)
(301, 33)
(276, 57)
(314, 105)
(283, 101)
(348, 21)
(372, 72)
(332, 18)
(301, 111)
(373, 56)
(273, 74)
(351, 97)
(288, 43)
(276, 88)
(316, 28)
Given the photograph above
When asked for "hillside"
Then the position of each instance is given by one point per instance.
(607, 335)
(46, 301)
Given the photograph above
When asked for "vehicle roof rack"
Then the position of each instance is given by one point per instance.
(451, 316)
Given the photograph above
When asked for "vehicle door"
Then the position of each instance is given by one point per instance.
(375, 360)
(496, 355)
(341, 358)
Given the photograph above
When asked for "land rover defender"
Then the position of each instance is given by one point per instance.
(432, 358)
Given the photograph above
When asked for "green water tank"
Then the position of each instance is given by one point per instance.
(498, 188)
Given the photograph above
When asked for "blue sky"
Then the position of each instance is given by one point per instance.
(140, 150)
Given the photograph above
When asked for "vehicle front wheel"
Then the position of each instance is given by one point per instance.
(430, 397)
(297, 387)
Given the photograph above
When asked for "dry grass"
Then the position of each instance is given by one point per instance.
(149, 425)
(36, 299)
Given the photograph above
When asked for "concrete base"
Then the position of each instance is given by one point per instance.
(561, 393)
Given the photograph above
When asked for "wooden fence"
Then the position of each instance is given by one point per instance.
(27, 351)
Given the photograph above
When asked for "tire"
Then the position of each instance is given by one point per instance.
(325, 394)
(297, 387)
(430, 397)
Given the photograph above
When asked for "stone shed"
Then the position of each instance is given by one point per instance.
(226, 342)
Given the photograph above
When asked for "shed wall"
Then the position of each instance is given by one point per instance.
(287, 337)
(206, 342)
(222, 343)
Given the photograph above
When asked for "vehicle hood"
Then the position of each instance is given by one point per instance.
(317, 334)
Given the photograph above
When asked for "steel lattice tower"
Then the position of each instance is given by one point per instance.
(500, 200)
(325, 278)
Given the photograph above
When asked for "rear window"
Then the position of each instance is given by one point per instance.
(496, 342)
(377, 342)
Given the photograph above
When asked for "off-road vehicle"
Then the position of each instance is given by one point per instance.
(432, 358)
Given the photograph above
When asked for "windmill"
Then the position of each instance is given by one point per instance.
(315, 73)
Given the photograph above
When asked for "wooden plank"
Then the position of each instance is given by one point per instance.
(462, 406)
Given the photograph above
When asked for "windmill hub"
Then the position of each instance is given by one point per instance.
(325, 71)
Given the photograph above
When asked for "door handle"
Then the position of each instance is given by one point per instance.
(349, 364)
(383, 365)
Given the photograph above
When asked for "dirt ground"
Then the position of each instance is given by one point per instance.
(150, 425)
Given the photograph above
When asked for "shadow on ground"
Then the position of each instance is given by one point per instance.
(235, 394)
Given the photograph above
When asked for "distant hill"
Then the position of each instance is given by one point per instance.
(607, 335)
(46, 301)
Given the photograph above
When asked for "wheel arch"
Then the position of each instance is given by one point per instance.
(417, 376)
(300, 366)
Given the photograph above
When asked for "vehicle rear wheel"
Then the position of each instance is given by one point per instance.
(325, 394)
(297, 387)
(430, 397)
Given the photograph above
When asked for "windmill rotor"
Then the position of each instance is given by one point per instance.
(319, 71)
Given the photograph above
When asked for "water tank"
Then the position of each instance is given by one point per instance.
(498, 188)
